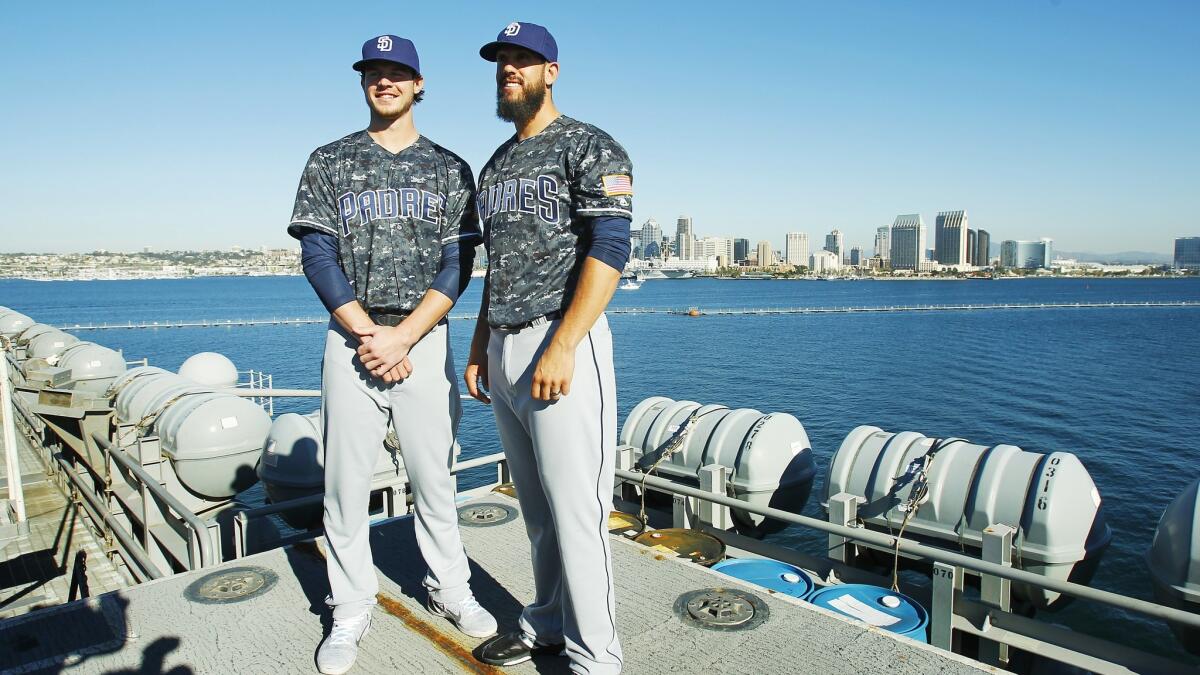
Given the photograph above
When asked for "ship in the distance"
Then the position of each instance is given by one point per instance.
(671, 268)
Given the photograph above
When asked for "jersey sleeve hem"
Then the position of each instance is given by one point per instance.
(474, 238)
(606, 211)
(298, 227)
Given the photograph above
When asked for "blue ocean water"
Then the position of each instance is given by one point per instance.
(1116, 386)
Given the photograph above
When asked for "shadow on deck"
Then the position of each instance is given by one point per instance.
(160, 627)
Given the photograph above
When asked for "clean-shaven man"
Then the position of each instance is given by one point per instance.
(387, 227)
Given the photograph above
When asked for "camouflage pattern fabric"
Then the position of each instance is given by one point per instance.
(391, 213)
(534, 200)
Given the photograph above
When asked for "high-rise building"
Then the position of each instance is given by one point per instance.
(685, 240)
(824, 261)
(1187, 253)
(1047, 251)
(908, 242)
(883, 242)
(796, 250)
(766, 257)
(835, 243)
(651, 234)
(983, 249)
(856, 256)
(970, 259)
(720, 248)
(741, 249)
(1029, 255)
(950, 238)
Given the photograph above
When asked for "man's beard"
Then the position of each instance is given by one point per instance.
(391, 114)
(520, 109)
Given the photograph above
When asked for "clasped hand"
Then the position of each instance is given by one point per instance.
(384, 352)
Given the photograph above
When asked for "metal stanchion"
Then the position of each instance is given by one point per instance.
(16, 495)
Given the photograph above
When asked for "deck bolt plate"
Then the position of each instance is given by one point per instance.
(485, 514)
(232, 585)
(721, 609)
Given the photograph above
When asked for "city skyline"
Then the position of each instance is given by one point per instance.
(1062, 119)
(963, 241)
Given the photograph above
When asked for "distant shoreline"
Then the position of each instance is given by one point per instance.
(164, 278)
(897, 278)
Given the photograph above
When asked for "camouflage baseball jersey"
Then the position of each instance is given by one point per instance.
(534, 198)
(391, 214)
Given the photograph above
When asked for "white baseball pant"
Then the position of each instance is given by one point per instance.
(561, 455)
(424, 409)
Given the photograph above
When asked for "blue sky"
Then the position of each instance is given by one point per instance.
(186, 125)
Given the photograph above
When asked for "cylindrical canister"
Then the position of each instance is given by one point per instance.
(772, 575)
(879, 607)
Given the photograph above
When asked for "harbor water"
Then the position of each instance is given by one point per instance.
(1116, 386)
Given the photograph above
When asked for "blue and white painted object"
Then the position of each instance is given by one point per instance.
(878, 607)
(769, 574)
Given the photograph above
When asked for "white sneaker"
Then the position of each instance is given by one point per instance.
(337, 653)
(468, 616)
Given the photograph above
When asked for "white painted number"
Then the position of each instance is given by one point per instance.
(512, 29)
(384, 44)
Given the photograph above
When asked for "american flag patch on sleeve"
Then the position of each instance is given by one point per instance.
(617, 184)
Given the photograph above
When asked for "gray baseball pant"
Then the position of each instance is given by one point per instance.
(424, 409)
(561, 455)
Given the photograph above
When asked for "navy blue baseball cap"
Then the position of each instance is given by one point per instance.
(390, 48)
(531, 36)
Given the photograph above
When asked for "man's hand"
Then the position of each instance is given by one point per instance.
(384, 352)
(401, 371)
(476, 375)
(552, 377)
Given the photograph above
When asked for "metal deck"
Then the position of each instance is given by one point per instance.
(61, 559)
(156, 628)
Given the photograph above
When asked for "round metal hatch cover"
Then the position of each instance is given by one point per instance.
(485, 514)
(722, 609)
(232, 585)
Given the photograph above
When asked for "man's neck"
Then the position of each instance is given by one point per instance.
(540, 120)
(395, 134)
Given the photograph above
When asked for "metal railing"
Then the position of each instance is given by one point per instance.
(989, 618)
(922, 550)
(143, 569)
(259, 382)
(12, 459)
(392, 487)
(199, 530)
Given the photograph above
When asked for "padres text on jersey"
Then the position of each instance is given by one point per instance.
(534, 198)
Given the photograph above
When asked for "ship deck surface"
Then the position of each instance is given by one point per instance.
(61, 558)
(155, 627)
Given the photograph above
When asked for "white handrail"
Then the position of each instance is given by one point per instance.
(12, 462)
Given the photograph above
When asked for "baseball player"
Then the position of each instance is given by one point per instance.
(555, 201)
(387, 227)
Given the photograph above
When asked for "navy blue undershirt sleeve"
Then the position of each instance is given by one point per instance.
(466, 264)
(319, 257)
(450, 281)
(610, 241)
